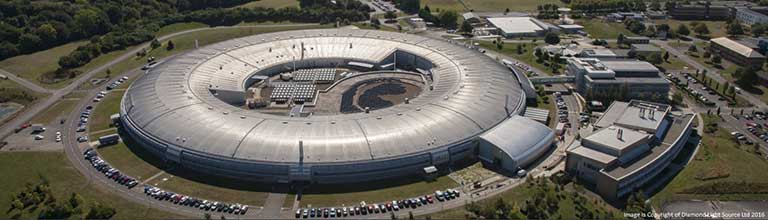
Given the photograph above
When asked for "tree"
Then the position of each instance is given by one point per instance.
(758, 29)
(29, 43)
(448, 19)
(390, 15)
(666, 56)
(47, 34)
(410, 6)
(716, 59)
(734, 28)
(620, 39)
(683, 30)
(155, 44)
(519, 49)
(677, 98)
(506, 11)
(663, 27)
(466, 27)
(170, 45)
(693, 49)
(410, 215)
(91, 21)
(655, 58)
(392, 216)
(746, 77)
(701, 29)
(99, 211)
(551, 38)
(726, 87)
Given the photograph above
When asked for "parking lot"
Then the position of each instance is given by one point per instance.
(704, 95)
(379, 208)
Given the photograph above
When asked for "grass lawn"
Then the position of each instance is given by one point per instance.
(131, 159)
(512, 5)
(28, 167)
(32, 66)
(716, 28)
(109, 105)
(603, 30)
(177, 27)
(673, 63)
(566, 206)
(51, 115)
(212, 188)
(270, 4)
(527, 57)
(376, 192)
(435, 5)
(8, 84)
(721, 160)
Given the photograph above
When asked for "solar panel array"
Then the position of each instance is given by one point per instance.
(299, 92)
(323, 74)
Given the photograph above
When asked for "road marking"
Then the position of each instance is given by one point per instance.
(153, 177)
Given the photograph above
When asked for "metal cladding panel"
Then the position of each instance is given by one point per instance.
(173, 100)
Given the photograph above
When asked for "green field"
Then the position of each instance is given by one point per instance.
(512, 5)
(720, 160)
(109, 105)
(441, 5)
(325, 196)
(53, 113)
(672, 63)
(16, 88)
(527, 56)
(21, 168)
(603, 30)
(568, 199)
(270, 4)
(716, 28)
(32, 66)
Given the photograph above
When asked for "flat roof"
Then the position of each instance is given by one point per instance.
(571, 26)
(634, 114)
(591, 154)
(737, 47)
(629, 66)
(516, 24)
(609, 137)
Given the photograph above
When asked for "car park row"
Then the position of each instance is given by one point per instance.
(108, 171)
(372, 209)
(192, 202)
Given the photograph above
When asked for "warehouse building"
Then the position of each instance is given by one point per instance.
(510, 27)
(628, 148)
(736, 52)
(629, 78)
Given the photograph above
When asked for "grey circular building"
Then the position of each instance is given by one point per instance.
(190, 109)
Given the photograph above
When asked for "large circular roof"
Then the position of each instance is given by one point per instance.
(172, 103)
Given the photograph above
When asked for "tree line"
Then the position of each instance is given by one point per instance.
(28, 27)
(606, 6)
(40, 197)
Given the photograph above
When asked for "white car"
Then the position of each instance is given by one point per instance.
(39, 137)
